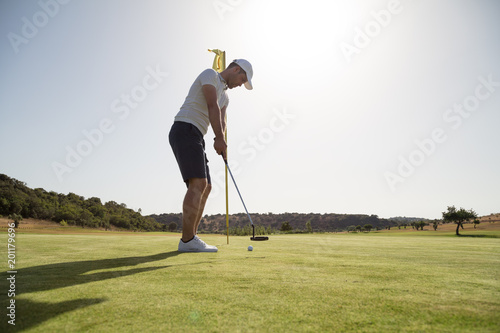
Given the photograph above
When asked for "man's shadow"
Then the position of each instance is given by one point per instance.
(66, 274)
(60, 275)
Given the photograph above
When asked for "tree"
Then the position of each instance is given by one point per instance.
(67, 212)
(16, 218)
(368, 227)
(105, 223)
(435, 224)
(308, 227)
(420, 224)
(476, 222)
(285, 226)
(458, 216)
(172, 226)
(85, 218)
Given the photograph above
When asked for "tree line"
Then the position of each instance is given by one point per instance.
(18, 200)
(270, 223)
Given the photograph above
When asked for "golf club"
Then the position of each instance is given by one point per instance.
(258, 238)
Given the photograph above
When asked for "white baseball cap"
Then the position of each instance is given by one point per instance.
(247, 67)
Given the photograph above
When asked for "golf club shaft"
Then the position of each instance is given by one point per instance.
(234, 182)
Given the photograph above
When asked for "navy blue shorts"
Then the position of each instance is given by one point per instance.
(189, 149)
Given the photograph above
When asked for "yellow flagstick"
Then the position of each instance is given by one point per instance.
(219, 65)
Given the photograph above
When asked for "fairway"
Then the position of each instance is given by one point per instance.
(369, 282)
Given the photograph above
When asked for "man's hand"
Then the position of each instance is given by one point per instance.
(220, 146)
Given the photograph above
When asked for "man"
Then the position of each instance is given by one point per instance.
(205, 104)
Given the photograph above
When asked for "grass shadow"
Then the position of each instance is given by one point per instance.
(30, 313)
(66, 274)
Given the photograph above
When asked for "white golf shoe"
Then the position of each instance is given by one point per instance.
(195, 245)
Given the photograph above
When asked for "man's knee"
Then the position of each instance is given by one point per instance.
(208, 188)
(198, 184)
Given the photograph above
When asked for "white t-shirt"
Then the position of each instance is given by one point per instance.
(195, 109)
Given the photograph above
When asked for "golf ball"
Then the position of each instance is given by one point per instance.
(250, 248)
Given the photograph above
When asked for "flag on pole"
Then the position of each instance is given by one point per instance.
(219, 60)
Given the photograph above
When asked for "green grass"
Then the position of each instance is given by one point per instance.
(377, 282)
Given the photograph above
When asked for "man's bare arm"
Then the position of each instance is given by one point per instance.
(215, 118)
(223, 118)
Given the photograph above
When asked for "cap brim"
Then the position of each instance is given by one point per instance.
(249, 85)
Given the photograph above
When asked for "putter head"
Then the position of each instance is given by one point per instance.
(259, 238)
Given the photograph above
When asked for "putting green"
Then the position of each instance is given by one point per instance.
(292, 283)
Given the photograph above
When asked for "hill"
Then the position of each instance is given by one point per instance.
(69, 209)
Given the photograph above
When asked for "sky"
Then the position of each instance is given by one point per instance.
(359, 107)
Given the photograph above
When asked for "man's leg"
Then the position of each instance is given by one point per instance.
(204, 198)
(192, 206)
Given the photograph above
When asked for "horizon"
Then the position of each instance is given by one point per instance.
(357, 108)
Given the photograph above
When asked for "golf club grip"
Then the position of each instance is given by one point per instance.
(234, 182)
